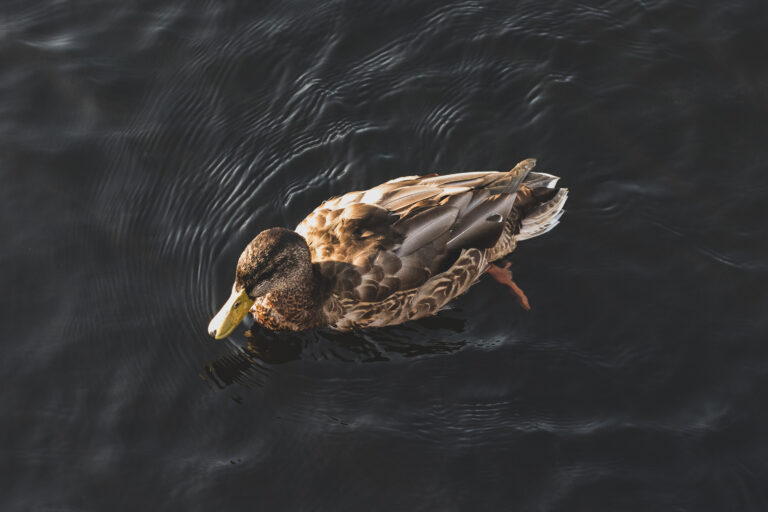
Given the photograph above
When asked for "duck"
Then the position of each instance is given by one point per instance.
(397, 252)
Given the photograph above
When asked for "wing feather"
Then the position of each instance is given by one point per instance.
(394, 237)
(482, 225)
(424, 227)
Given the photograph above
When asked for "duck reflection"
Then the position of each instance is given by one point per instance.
(250, 364)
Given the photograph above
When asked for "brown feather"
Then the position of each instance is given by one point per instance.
(405, 248)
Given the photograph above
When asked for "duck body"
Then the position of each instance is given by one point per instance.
(396, 252)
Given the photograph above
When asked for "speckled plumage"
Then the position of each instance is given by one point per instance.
(404, 249)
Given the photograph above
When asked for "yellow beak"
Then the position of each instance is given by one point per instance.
(230, 315)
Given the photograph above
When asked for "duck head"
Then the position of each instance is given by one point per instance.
(277, 259)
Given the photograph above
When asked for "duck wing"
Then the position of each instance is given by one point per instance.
(370, 244)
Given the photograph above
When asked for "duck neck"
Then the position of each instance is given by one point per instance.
(294, 307)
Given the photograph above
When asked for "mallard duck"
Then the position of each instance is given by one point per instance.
(396, 252)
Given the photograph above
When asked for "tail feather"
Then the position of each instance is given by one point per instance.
(545, 216)
(536, 180)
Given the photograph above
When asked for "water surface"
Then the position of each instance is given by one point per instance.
(142, 146)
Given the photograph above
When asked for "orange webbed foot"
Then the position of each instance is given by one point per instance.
(504, 276)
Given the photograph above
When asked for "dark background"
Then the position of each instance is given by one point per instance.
(143, 144)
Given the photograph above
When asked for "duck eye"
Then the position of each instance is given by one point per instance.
(237, 305)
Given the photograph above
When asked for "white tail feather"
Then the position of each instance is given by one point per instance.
(545, 217)
(540, 180)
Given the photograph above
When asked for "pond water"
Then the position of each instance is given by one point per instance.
(142, 146)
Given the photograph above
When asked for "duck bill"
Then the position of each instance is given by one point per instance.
(230, 315)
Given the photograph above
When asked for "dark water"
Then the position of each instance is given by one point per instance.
(142, 146)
